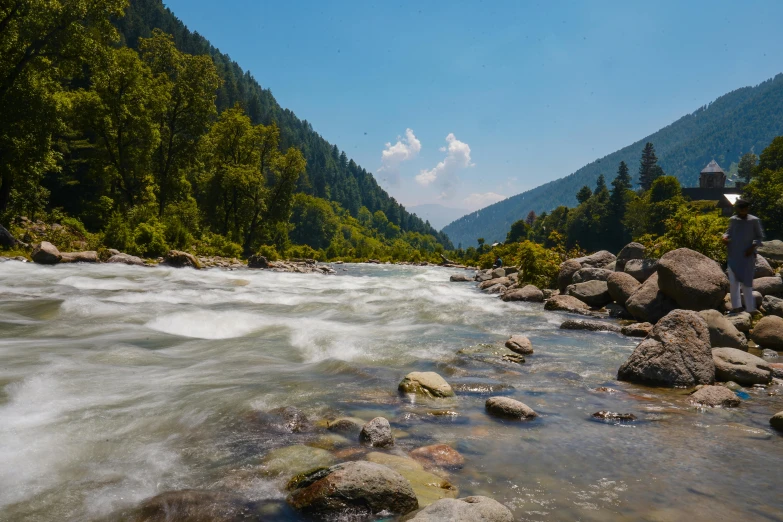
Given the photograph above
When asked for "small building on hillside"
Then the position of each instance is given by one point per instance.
(712, 187)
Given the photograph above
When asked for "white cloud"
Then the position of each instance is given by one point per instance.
(477, 201)
(405, 149)
(457, 157)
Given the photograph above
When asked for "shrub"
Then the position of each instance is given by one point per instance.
(268, 252)
(118, 234)
(217, 245)
(150, 239)
(688, 228)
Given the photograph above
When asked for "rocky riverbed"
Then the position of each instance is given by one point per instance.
(137, 392)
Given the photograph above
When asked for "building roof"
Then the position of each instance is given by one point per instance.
(710, 194)
(712, 167)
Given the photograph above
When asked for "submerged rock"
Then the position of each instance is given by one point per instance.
(715, 396)
(741, 367)
(347, 425)
(46, 253)
(520, 344)
(438, 455)
(427, 486)
(468, 509)
(377, 433)
(768, 332)
(591, 326)
(286, 420)
(507, 407)
(294, 460)
(514, 358)
(360, 488)
(722, 332)
(611, 416)
(692, 280)
(426, 383)
(192, 505)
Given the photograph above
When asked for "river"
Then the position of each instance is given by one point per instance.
(118, 383)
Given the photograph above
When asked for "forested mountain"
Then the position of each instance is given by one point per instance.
(330, 173)
(743, 120)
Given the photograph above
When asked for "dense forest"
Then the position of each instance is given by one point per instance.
(119, 121)
(745, 120)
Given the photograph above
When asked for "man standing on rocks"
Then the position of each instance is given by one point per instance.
(743, 237)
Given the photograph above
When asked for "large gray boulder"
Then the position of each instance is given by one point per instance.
(46, 253)
(641, 269)
(567, 303)
(126, 259)
(456, 278)
(591, 274)
(527, 293)
(648, 303)
(566, 275)
(772, 251)
(676, 353)
(629, 252)
(715, 396)
(426, 383)
(740, 367)
(693, 280)
(768, 333)
(377, 433)
(723, 334)
(507, 407)
(597, 260)
(769, 286)
(773, 305)
(363, 489)
(622, 286)
(763, 268)
(89, 256)
(469, 509)
(592, 293)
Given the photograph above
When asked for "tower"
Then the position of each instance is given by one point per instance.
(712, 176)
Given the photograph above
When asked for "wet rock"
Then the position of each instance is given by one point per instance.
(741, 367)
(192, 505)
(484, 276)
(777, 421)
(287, 420)
(641, 269)
(514, 358)
(377, 433)
(592, 293)
(676, 353)
(126, 259)
(566, 274)
(591, 326)
(692, 280)
(426, 383)
(460, 278)
(179, 259)
(361, 488)
(741, 321)
(584, 275)
(637, 330)
(438, 455)
(468, 509)
(6, 239)
(504, 281)
(768, 333)
(769, 286)
(731, 385)
(617, 311)
(723, 334)
(497, 289)
(88, 256)
(520, 344)
(597, 260)
(611, 416)
(427, 486)
(715, 396)
(773, 305)
(772, 251)
(648, 303)
(622, 286)
(507, 407)
(347, 425)
(46, 253)
(257, 261)
(527, 293)
(567, 303)
(294, 460)
(629, 252)
(762, 269)
(769, 354)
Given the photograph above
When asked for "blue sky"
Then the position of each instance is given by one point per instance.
(500, 96)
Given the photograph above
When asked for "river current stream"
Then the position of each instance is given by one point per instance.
(118, 383)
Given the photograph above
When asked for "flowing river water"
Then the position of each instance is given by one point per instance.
(118, 383)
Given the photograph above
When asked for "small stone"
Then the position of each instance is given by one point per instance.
(507, 407)
(426, 383)
(377, 433)
(591, 326)
(520, 344)
(715, 396)
(439, 455)
(348, 425)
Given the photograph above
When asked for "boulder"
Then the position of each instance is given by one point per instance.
(361, 488)
(629, 252)
(637, 330)
(294, 460)
(79, 257)
(773, 305)
(6, 239)
(377, 433)
(692, 280)
(498, 272)
(622, 286)
(468, 509)
(257, 261)
(769, 286)
(126, 259)
(648, 303)
(520, 344)
(740, 367)
(566, 275)
(426, 383)
(591, 326)
(438, 455)
(772, 251)
(46, 253)
(504, 281)
(591, 274)
(592, 293)
(763, 269)
(777, 421)
(346, 425)
(507, 407)
(460, 278)
(715, 396)
(723, 334)
(597, 260)
(741, 321)
(179, 259)
(509, 270)
(676, 353)
(617, 311)
(641, 269)
(427, 486)
(527, 293)
(192, 505)
(567, 303)
(497, 289)
(768, 333)
(484, 276)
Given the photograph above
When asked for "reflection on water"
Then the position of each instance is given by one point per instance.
(118, 383)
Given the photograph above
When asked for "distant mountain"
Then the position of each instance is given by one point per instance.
(742, 121)
(438, 215)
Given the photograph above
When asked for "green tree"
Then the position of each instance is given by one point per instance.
(531, 218)
(314, 222)
(772, 157)
(621, 194)
(746, 166)
(519, 231)
(647, 171)
(765, 191)
(584, 194)
(285, 174)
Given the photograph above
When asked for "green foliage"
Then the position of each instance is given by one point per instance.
(772, 157)
(519, 231)
(212, 244)
(537, 264)
(314, 221)
(689, 228)
(765, 194)
(747, 165)
(150, 239)
(118, 233)
(269, 252)
(584, 194)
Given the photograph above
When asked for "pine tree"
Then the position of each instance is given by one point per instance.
(746, 166)
(600, 185)
(531, 218)
(618, 199)
(584, 194)
(647, 167)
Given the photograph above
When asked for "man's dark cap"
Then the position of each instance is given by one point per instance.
(742, 203)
